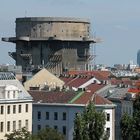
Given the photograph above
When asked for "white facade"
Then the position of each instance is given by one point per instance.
(15, 107)
(61, 117)
(110, 122)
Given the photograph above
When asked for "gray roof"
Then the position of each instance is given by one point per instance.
(9, 79)
(7, 76)
(112, 91)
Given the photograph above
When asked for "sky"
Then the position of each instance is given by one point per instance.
(116, 22)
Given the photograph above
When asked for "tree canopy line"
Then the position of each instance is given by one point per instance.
(130, 125)
(44, 134)
(89, 125)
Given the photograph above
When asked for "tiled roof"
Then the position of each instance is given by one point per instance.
(75, 80)
(134, 90)
(94, 87)
(52, 97)
(125, 82)
(100, 75)
(137, 83)
(84, 99)
(65, 97)
(101, 100)
(88, 95)
(78, 81)
(66, 79)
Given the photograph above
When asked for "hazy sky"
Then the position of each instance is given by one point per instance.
(117, 22)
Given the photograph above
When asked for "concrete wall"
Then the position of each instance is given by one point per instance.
(37, 38)
(68, 28)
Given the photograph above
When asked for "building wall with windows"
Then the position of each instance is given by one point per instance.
(15, 115)
(109, 126)
(61, 117)
(15, 106)
(58, 116)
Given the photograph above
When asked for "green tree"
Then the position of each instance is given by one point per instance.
(90, 125)
(130, 126)
(78, 127)
(126, 125)
(44, 134)
(136, 118)
(48, 134)
(22, 134)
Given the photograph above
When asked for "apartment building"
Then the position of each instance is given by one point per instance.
(15, 105)
(58, 110)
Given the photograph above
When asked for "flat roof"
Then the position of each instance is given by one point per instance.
(53, 19)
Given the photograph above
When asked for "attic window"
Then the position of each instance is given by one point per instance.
(14, 95)
(8, 95)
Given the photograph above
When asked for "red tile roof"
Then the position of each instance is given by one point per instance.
(134, 90)
(52, 97)
(94, 87)
(78, 81)
(125, 82)
(65, 97)
(100, 75)
(84, 99)
(90, 92)
(98, 100)
(67, 79)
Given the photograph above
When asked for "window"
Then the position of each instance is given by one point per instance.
(8, 109)
(64, 130)
(38, 127)
(55, 127)
(55, 116)
(76, 114)
(108, 131)
(1, 110)
(19, 124)
(47, 115)
(64, 115)
(8, 94)
(108, 117)
(1, 126)
(19, 108)
(14, 125)
(14, 95)
(26, 108)
(26, 124)
(8, 126)
(14, 109)
(39, 115)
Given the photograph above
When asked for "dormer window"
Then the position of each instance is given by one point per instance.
(11, 92)
(14, 95)
(8, 94)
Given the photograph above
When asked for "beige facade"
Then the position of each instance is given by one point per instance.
(44, 79)
(15, 106)
(15, 116)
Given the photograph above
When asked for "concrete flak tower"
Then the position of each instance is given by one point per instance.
(57, 43)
